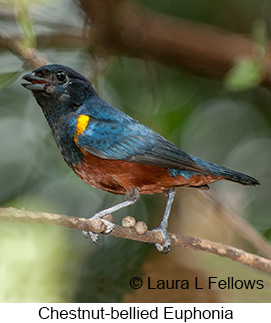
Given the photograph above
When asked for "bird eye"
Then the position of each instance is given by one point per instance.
(61, 76)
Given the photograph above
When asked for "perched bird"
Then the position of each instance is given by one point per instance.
(111, 151)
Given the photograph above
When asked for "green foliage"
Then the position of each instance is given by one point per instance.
(40, 254)
(248, 72)
(260, 34)
(105, 273)
(267, 233)
(245, 75)
(8, 78)
(25, 22)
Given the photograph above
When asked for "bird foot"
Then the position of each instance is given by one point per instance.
(166, 245)
(130, 198)
(95, 237)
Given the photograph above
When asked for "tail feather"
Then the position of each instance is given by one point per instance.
(227, 173)
(237, 177)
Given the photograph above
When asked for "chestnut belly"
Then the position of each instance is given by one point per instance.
(119, 177)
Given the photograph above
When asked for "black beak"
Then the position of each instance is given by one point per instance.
(34, 83)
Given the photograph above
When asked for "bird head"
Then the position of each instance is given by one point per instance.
(57, 86)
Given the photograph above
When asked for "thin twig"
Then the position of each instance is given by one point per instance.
(238, 223)
(29, 56)
(257, 262)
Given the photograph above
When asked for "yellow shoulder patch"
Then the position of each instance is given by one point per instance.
(81, 125)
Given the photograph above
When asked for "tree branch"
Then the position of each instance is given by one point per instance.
(121, 27)
(257, 262)
(29, 56)
(239, 224)
(124, 28)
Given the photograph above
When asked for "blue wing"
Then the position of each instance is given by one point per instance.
(111, 134)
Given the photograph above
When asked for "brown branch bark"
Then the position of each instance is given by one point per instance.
(61, 40)
(123, 28)
(29, 56)
(257, 262)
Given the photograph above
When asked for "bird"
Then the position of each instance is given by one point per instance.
(111, 151)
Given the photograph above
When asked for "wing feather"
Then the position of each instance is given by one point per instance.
(132, 141)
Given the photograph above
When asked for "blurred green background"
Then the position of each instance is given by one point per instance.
(226, 122)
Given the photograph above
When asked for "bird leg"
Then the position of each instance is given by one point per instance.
(165, 247)
(130, 198)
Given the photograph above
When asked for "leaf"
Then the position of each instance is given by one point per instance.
(259, 34)
(8, 78)
(245, 75)
(267, 233)
(25, 21)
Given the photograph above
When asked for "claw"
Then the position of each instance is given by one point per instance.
(95, 237)
(166, 245)
(109, 226)
(163, 248)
